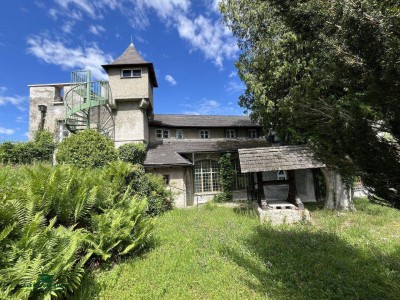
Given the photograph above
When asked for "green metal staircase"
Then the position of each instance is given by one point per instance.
(87, 105)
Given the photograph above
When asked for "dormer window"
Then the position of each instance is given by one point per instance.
(230, 133)
(129, 73)
(162, 133)
(204, 134)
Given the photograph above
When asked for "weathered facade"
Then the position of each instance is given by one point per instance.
(184, 149)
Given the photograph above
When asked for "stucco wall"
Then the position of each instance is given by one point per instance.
(45, 95)
(130, 123)
(177, 183)
(129, 88)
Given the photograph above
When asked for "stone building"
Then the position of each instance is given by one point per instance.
(184, 149)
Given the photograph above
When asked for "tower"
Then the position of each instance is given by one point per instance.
(131, 81)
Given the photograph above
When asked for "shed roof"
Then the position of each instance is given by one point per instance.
(202, 121)
(283, 158)
(167, 152)
(131, 57)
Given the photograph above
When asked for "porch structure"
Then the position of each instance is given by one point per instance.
(280, 158)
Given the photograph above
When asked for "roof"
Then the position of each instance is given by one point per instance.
(131, 57)
(283, 158)
(202, 121)
(167, 152)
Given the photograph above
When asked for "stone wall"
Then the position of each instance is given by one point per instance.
(282, 216)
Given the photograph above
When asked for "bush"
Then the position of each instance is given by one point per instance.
(86, 149)
(54, 220)
(134, 153)
(40, 150)
(227, 173)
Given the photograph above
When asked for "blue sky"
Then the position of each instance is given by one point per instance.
(42, 41)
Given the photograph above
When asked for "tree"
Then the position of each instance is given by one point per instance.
(326, 73)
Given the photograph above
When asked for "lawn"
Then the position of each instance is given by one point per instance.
(224, 253)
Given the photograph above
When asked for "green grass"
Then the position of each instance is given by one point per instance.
(224, 253)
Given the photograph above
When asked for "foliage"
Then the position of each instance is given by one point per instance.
(134, 153)
(326, 73)
(54, 221)
(229, 255)
(86, 149)
(227, 178)
(39, 150)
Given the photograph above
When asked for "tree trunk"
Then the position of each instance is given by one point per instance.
(338, 197)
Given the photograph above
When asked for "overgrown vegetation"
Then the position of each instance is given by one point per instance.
(134, 153)
(55, 222)
(86, 149)
(39, 150)
(326, 73)
(223, 253)
(227, 178)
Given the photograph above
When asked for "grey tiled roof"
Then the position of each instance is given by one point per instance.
(277, 158)
(167, 152)
(204, 121)
(131, 57)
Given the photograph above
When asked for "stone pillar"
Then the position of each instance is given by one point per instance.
(293, 196)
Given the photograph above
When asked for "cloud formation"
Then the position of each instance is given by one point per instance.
(56, 53)
(20, 102)
(6, 131)
(170, 79)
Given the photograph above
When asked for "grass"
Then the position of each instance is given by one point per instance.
(224, 253)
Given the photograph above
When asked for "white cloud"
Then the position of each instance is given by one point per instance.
(205, 34)
(6, 131)
(203, 107)
(96, 30)
(170, 79)
(20, 120)
(232, 74)
(56, 53)
(18, 101)
(235, 87)
(67, 27)
(210, 37)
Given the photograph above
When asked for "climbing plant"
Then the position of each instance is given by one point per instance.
(227, 177)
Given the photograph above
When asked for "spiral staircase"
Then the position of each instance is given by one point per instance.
(87, 105)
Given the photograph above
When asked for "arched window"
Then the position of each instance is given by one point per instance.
(282, 175)
(206, 176)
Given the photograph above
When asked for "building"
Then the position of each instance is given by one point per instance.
(182, 148)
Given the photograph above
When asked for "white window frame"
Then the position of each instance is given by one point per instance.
(160, 133)
(205, 133)
(252, 133)
(206, 176)
(230, 133)
(179, 134)
(131, 71)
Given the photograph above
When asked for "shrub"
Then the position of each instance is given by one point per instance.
(86, 149)
(41, 149)
(227, 173)
(53, 220)
(134, 153)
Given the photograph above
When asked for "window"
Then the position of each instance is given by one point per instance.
(252, 133)
(282, 175)
(230, 133)
(179, 133)
(241, 179)
(162, 133)
(126, 73)
(204, 134)
(206, 176)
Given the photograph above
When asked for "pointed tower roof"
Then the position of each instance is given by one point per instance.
(131, 58)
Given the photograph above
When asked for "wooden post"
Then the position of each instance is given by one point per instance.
(260, 188)
(293, 197)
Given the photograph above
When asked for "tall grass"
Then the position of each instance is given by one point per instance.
(221, 253)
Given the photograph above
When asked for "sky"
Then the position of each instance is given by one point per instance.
(42, 41)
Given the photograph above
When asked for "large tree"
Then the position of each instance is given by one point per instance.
(326, 73)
